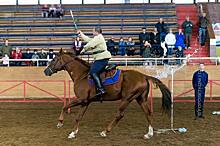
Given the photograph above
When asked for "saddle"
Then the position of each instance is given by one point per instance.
(109, 76)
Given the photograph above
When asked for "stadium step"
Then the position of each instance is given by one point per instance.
(191, 10)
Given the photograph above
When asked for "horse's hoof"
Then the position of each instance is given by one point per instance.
(59, 125)
(147, 136)
(72, 135)
(103, 134)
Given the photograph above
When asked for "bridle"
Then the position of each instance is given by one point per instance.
(63, 67)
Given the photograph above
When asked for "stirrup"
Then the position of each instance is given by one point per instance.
(100, 94)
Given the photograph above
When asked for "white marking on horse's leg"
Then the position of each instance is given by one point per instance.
(73, 134)
(103, 133)
(59, 125)
(150, 133)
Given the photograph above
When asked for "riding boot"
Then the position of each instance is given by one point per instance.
(99, 86)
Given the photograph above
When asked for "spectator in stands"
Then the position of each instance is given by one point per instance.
(16, 54)
(203, 24)
(59, 11)
(5, 48)
(180, 39)
(111, 46)
(50, 54)
(122, 47)
(199, 82)
(27, 55)
(147, 50)
(170, 40)
(52, 11)
(179, 54)
(130, 46)
(5, 60)
(187, 26)
(155, 41)
(143, 36)
(35, 56)
(43, 55)
(77, 45)
(161, 28)
(45, 11)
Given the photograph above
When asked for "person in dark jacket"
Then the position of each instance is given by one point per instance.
(111, 46)
(50, 54)
(187, 26)
(77, 45)
(199, 81)
(203, 24)
(179, 54)
(155, 41)
(143, 36)
(161, 28)
(27, 55)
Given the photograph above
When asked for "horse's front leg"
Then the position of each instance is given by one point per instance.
(65, 109)
(78, 118)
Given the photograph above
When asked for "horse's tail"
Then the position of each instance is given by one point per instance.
(166, 94)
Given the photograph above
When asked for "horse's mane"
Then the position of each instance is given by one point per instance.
(73, 55)
(85, 63)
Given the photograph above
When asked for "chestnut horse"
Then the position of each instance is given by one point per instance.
(132, 85)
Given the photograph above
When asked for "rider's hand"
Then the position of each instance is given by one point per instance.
(83, 50)
(78, 31)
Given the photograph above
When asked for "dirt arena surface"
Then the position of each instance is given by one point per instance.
(34, 124)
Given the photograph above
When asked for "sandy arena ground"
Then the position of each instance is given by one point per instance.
(34, 124)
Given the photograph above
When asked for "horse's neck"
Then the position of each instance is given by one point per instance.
(76, 70)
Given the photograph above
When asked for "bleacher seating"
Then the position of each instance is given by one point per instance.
(24, 26)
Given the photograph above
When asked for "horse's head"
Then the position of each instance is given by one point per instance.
(57, 64)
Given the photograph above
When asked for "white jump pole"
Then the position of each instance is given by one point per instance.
(172, 108)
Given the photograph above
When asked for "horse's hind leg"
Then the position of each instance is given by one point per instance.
(119, 116)
(142, 101)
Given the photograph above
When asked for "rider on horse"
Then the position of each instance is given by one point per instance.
(97, 46)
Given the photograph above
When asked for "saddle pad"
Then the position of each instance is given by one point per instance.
(110, 79)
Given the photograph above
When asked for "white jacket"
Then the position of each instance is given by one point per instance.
(170, 39)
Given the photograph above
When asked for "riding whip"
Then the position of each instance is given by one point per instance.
(74, 20)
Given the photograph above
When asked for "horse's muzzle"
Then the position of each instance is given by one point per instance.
(48, 71)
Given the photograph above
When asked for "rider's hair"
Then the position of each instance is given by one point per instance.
(98, 29)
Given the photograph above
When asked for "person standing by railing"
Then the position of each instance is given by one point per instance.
(203, 24)
(187, 26)
(199, 81)
(161, 28)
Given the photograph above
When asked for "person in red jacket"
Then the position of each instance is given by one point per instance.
(16, 54)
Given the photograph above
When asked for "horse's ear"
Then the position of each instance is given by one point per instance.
(61, 51)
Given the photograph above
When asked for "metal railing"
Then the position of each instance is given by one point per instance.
(126, 61)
